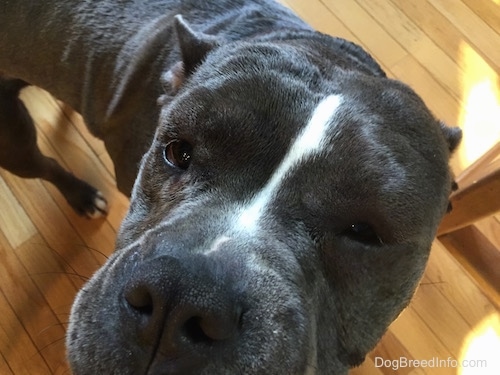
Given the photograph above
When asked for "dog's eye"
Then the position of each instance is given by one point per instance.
(362, 232)
(177, 153)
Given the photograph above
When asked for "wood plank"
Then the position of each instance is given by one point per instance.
(479, 257)
(61, 238)
(362, 25)
(367, 368)
(409, 36)
(441, 317)
(434, 24)
(4, 366)
(324, 20)
(389, 349)
(420, 371)
(456, 285)
(32, 310)
(490, 228)
(394, 22)
(16, 345)
(56, 278)
(487, 11)
(478, 33)
(411, 330)
(14, 223)
(97, 234)
(76, 120)
(321, 18)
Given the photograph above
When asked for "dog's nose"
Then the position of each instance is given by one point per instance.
(182, 308)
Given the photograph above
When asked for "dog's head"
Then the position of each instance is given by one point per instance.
(280, 221)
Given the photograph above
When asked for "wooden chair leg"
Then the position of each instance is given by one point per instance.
(479, 197)
(483, 166)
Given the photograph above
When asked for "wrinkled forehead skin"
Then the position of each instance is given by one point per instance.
(382, 160)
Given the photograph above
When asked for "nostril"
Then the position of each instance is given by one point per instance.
(194, 331)
(213, 326)
(140, 299)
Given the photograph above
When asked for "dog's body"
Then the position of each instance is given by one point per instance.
(283, 214)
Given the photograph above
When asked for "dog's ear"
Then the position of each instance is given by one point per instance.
(454, 187)
(453, 135)
(193, 46)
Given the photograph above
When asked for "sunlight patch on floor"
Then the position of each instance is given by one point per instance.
(480, 119)
(481, 348)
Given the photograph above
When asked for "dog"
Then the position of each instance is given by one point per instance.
(284, 192)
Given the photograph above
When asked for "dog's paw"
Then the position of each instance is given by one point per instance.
(86, 200)
(98, 208)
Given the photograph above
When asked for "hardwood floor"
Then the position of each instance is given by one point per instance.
(447, 50)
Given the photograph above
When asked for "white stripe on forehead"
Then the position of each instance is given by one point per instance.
(311, 140)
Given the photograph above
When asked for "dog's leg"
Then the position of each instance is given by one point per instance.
(20, 154)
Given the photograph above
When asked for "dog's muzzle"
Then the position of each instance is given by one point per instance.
(159, 307)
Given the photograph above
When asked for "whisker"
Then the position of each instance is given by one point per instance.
(57, 341)
(58, 324)
(64, 261)
(433, 282)
(83, 278)
(104, 255)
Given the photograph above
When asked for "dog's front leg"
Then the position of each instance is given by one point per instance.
(20, 154)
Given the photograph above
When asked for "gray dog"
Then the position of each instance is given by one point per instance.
(287, 197)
